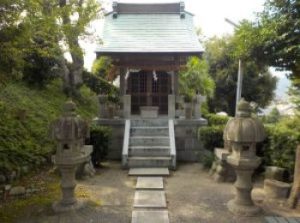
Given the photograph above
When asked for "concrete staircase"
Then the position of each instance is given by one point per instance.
(149, 144)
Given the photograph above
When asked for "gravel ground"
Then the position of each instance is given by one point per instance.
(192, 196)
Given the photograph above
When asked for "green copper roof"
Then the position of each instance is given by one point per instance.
(149, 33)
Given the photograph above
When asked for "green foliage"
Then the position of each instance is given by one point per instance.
(294, 93)
(211, 136)
(195, 79)
(214, 119)
(259, 84)
(280, 147)
(101, 86)
(100, 137)
(102, 66)
(30, 37)
(273, 117)
(273, 40)
(208, 160)
(25, 116)
(29, 44)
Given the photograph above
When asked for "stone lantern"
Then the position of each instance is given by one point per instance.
(70, 132)
(242, 134)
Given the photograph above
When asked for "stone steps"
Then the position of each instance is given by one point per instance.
(149, 141)
(149, 144)
(148, 172)
(149, 131)
(150, 161)
(153, 151)
(149, 122)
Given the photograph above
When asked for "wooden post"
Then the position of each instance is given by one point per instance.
(295, 192)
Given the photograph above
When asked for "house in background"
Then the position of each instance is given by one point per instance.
(148, 44)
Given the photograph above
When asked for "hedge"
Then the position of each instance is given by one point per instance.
(99, 138)
(211, 136)
(278, 149)
(280, 146)
(214, 119)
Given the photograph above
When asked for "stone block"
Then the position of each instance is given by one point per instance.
(150, 217)
(150, 183)
(149, 172)
(17, 191)
(150, 199)
(275, 189)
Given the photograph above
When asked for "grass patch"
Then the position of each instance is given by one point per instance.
(25, 116)
(49, 191)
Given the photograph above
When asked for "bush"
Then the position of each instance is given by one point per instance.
(214, 119)
(280, 146)
(211, 136)
(100, 137)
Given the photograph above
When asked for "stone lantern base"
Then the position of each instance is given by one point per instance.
(243, 210)
(243, 204)
(59, 207)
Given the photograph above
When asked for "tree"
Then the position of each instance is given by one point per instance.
(258, 83)
(195, 79)
(12, 38)
(42, 56)
(273, 116)
(273, 39)
(75, 16)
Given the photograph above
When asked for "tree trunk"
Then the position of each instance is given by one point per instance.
(73, 71)
(295, 192)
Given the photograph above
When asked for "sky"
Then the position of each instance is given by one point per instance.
(210, 17)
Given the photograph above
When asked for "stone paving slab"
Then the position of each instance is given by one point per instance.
(150, 217)
(153, 183)
(149, 172)
(149, 199)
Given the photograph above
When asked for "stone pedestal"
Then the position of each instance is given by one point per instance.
(171, 106)
(127, 106)
(68, 184)
(242, 204)
(188, 108)
(198, 102)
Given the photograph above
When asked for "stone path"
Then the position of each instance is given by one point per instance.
(149, 172)
(150, 205)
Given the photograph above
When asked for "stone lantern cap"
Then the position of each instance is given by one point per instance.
(243, 128)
